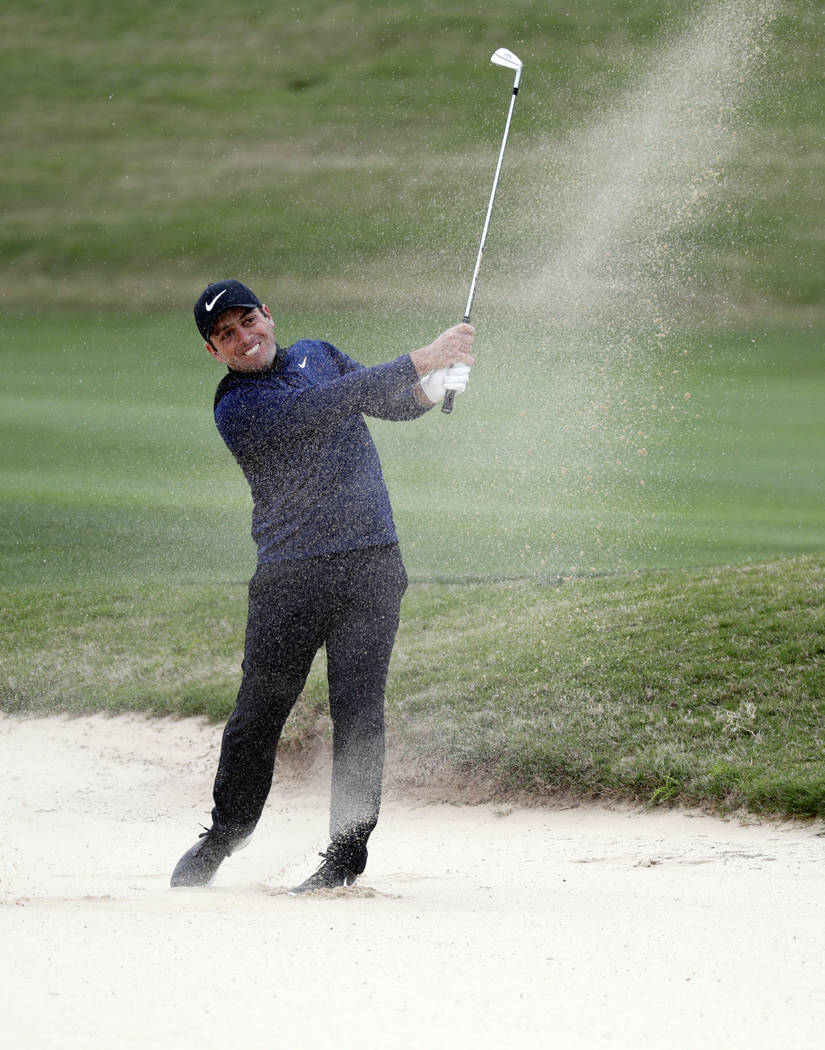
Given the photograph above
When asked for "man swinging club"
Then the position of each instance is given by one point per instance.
(329, 571)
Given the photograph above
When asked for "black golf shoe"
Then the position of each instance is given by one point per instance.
(341, 865)
(199, 865)
(330, 874)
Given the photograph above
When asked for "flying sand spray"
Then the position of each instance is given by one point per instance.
(626, 234)
(501, 57)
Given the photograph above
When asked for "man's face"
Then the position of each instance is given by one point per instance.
(244, 339)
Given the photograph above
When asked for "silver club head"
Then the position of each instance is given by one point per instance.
(506, 58)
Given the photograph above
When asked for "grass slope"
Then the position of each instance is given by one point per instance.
(703, 686)
(694, 686)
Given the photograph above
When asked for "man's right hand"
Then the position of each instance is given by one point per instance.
(451, 347)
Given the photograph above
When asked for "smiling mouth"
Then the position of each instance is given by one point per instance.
(252, 350)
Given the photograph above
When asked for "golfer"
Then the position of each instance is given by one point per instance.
(329, 571)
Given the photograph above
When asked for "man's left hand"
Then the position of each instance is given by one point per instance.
(437, 383)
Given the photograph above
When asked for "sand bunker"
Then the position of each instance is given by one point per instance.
(474, 926)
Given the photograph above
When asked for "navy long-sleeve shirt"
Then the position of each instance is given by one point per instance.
(297, 430)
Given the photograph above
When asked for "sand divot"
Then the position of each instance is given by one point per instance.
(340, 893)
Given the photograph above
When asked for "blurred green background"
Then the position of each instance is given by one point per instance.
(649, 388)
(328, 149)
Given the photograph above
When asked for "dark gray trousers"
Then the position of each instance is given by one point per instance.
(348, 602)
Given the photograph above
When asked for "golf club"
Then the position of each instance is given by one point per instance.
(505, 58)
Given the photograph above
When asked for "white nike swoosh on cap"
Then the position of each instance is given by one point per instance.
(210, 305)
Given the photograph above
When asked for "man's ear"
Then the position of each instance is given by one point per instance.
(211, 349)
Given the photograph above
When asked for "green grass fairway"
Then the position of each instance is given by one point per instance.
(708, 451)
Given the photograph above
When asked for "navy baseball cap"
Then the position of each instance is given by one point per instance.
(220, 296)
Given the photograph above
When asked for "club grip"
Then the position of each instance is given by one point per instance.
(449, 397)
(447, 403)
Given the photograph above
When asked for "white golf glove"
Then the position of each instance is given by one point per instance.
(454, 377)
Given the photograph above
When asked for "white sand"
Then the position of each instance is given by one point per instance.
(474, 926)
